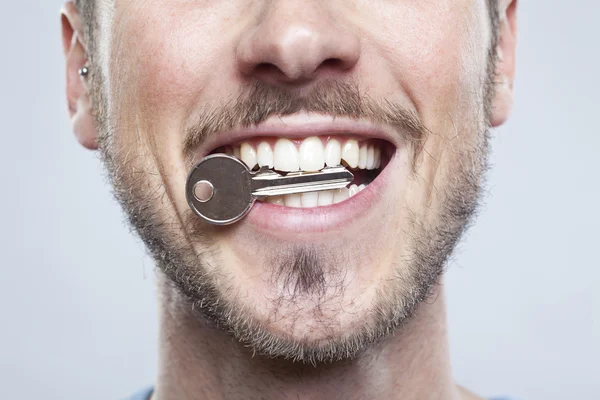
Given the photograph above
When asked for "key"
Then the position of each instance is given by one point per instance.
(221, 189)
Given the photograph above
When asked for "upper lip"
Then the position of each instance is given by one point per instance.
(301, 126)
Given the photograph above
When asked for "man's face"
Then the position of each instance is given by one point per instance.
(313, 278)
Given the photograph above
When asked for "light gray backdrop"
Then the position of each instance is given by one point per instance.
(77, 306)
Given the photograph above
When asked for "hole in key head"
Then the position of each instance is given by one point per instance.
(203, 191)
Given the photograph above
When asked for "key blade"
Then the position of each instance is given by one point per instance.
(270, 183)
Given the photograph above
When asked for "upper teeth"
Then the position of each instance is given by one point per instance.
(248, 155)
(333, 153)
(310, 156)
(264, 155)
(285, 156)
(351, 153)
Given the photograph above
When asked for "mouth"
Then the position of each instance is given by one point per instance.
(364, 157)
(311, 144)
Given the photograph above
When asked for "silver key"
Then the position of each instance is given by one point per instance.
(222, 190)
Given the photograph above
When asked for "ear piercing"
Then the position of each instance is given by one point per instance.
(84, 71)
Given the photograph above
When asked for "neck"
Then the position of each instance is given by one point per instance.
(198, 362)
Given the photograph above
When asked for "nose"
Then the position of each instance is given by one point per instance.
(295, 42)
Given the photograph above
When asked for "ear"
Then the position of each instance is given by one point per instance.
(78, 99)
(505, 66)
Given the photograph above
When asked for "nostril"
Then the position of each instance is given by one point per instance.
(267, 69)
(264, 70)
(332, 63)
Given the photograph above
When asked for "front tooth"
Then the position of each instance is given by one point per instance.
(278, 200)
(333, 153)
(361, 187)
(292, 200)
(352, 190)
(285, 156)
(341, 195)
(264, 155)
(236, 152)
(312, 156)
(309, 199)
(370, 157)
(248, 155)
(326, 197)
(350, 153)
(362, 157)
(377, 157)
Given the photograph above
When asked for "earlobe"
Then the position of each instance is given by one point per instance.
(77, 90)
(505, 65)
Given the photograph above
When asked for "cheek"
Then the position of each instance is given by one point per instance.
(160, 60)
(439, 52)
(157, 62)
(442, 61)
(169, 52)
(163, 57)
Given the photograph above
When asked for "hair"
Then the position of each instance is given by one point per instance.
(87, 8)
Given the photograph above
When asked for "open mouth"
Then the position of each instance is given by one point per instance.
(364, 157)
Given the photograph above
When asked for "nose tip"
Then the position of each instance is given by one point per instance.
(279, 50)
(298, 53)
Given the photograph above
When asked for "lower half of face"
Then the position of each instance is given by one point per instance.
(317, 276)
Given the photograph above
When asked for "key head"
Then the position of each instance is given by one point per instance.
(218, 189)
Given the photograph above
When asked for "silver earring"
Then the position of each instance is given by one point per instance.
(84, 71)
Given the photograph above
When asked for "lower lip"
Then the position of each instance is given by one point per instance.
(273, 218)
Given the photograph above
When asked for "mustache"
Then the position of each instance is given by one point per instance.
(259, 101)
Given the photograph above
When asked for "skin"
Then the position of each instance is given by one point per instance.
(162, 62)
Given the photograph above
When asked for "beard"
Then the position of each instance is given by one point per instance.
(302, 272)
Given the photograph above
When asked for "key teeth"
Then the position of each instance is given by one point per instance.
(265, 169)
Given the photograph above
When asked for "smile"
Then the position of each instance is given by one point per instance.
(301, 143)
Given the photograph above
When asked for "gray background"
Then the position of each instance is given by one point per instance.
(77, 301)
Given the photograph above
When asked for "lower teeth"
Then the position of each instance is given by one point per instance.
(316, 199)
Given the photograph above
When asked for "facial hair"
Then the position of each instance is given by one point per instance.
(303, 271)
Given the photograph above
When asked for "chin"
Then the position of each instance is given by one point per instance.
(314, 319)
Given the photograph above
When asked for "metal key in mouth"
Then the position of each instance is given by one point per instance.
(221, 189)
